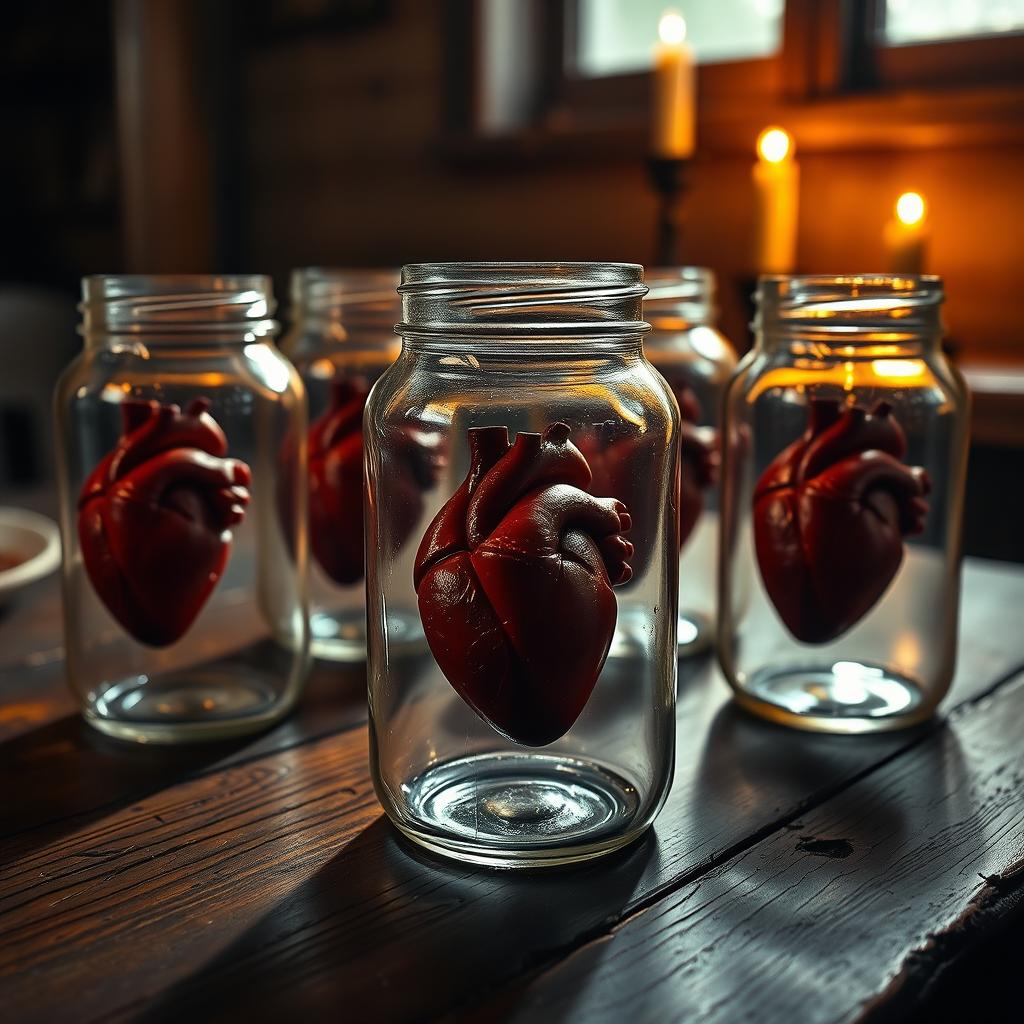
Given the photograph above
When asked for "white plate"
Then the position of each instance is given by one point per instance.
(36, 539)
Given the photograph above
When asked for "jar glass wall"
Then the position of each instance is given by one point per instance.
(536, 724)
(843, 485)
(341, 340)
(181, 469)
(697, 360)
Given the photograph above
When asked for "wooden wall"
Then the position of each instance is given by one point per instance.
(345, 164)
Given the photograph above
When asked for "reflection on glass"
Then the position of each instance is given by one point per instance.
(618, 36)
(919, 21)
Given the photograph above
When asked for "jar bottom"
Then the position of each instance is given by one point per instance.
(341, 635)
(521, 810)
(208, 702)
(842, 696)
(694, 633)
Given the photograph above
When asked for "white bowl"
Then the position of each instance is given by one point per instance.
(34, 538)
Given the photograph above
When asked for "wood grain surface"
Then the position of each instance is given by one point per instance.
(821, 921)
(261, 881)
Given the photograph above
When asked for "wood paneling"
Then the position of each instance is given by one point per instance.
(346, 165)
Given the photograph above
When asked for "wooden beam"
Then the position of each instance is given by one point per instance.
(167, 182)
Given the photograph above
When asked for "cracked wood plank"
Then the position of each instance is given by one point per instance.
(275, 887)
(829, 920)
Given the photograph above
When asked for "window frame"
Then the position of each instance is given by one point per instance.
(834, 84)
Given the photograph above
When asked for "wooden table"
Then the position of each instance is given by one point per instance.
(791, 877)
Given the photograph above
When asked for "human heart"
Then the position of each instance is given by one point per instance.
(830, 515)
(155, 518)
(514, 578)
(698, 460)
(336, 482)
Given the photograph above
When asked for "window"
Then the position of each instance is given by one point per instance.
(571, 77)
(927, 21)
(613, 38)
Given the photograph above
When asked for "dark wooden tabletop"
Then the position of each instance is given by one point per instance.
(791, 877)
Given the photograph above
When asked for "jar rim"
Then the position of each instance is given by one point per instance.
(322, 287)
(172, 305)
(489, 301)
(843, 307)
(680, 298)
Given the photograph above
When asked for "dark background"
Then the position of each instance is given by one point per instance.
(187, 136)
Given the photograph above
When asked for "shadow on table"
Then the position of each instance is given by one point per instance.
(752, 763)
(387, 931)
(60, 776)
(782, 917)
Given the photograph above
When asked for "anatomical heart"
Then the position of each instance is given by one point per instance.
(698, 460)
(514, 578)
(336, 482)
(155, 518)
(830, 516)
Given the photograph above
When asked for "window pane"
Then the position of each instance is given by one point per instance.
(922, 21)
(617, 36)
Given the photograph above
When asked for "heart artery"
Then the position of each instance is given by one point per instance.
(155, 518)
(514, 582)
(830, 516)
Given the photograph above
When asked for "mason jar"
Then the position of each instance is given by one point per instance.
(181, 437)
(843, 475)
(536, 725)
(341, 339)
(697, 360)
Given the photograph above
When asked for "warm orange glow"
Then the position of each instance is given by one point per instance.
(774, 145)
(672, 28)
(899, 369)
(910, 208)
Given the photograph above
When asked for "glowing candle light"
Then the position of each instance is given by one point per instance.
(906, 235)
(777, 181)
(675, 90)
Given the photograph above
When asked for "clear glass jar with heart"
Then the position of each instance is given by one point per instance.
(341, 339)
(535, 724)
(843, 477)
(182, 456)
(697, 360)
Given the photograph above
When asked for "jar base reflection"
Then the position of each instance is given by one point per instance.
(341, 636)
(845, 696)
(209, 702)
(694, 633)
(521, 810)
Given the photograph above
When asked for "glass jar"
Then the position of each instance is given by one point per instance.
(697, 360)
(341, 340)
(181, 434)
(843, 482)
(536, 726)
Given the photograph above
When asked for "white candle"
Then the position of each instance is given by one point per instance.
(777, 181)
(675, 91)
(906, 235)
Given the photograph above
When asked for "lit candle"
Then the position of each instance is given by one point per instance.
(777, 181)
(906, 236)
(675, 91)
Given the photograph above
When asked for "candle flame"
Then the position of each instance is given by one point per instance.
(910, 208)
(774, 145)
(672, 28)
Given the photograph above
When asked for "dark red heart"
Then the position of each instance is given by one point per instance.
(617, 470)
(514, 578)
(698, 460)
(336, 482)
(830, 515)
(155, 518)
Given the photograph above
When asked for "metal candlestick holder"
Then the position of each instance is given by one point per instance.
(670, 179)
